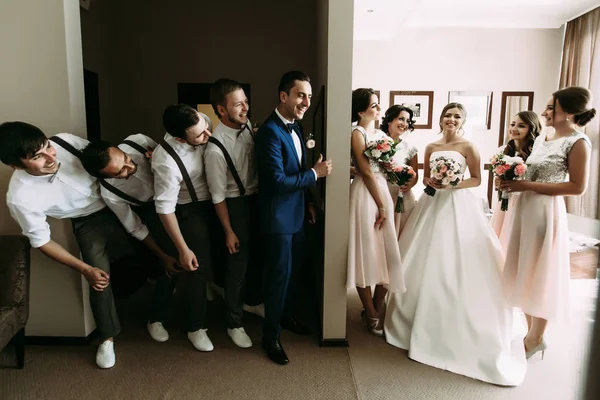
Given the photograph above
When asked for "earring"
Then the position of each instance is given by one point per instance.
(567, 118)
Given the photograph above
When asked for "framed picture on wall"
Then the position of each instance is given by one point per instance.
(420, 102)
(478, 106)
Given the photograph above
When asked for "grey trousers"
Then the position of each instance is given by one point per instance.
(150, 218)
(94, 234)
(236, 265)
(193, 219)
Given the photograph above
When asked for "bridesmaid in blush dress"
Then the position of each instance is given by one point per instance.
(397, 121)
(373, 254)
(524, 128)
(536, 271)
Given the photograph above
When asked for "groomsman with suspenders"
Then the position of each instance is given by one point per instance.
(50, 181)
(233, 183)
(127, 187)
(183, 204)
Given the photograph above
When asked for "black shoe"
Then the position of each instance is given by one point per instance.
(292, 325)
(275, 352)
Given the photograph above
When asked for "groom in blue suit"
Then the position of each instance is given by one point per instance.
(282, 189)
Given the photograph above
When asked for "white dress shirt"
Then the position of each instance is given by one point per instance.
(241, 150)
(72, 193)
(296, 139)
(139, 186)
(169, 187)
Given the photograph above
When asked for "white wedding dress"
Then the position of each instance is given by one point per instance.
(453, 315)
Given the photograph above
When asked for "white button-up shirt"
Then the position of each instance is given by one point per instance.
(169, 187)
(72, 193)
(139, 186)
(296, 139)
(241, 150)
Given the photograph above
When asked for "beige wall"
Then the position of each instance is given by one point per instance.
(449, 59)
(42, 83)
(339, 85)
(142, 49)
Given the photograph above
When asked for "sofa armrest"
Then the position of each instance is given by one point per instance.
(14, 273)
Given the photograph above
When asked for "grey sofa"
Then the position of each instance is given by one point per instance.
(14, 293)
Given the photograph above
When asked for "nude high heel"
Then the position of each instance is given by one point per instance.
(540, 347)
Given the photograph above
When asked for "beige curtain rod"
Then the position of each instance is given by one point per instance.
(583, 13)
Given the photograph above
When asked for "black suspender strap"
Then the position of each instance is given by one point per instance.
(69, 147)
(230, 164)
(66, 145)
(136, 146)
(184, 172)
(120, 193)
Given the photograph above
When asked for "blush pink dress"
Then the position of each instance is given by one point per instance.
(404, 153)
(536, 271)
(373, 254)
(498, 216)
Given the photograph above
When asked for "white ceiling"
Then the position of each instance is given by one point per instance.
(381, 19)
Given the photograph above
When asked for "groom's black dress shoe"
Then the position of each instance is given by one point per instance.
(275, 352)
(292, 325)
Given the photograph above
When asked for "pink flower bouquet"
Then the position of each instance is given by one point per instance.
(507, 168)
(381, 151)
(400, 175)
(445, 170)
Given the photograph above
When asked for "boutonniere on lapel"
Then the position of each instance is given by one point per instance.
(255, 127)
(310, 141)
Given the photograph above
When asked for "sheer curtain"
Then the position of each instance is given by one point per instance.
(581, 67)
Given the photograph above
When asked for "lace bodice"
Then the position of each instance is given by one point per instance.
(454, 157)
(548, 159)
(368, 138)
(404, 152)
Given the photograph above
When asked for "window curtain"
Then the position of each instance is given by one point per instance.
(581, 67)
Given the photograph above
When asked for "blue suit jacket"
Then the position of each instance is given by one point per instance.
(282, 179)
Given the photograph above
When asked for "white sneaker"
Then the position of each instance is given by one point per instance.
(105, 357)
(239, 337)
(256, 310)
(200, 340)
(158, 332)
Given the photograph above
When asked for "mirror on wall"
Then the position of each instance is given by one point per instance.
(512, 104)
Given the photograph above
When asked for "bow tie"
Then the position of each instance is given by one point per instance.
(291, 127)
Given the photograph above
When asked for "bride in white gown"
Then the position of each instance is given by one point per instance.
(453, 315)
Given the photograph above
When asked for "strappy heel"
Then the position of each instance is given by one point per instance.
(371, 324)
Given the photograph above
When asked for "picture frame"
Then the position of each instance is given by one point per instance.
(511, 104)
(478, 105)
(421, 102)
(378, 93)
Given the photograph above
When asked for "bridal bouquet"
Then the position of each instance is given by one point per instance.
(381, 151)
(446, 171)
(507, 168)
(400, 175)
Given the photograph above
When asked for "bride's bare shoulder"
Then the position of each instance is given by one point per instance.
(434, 145)
(465, 144)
